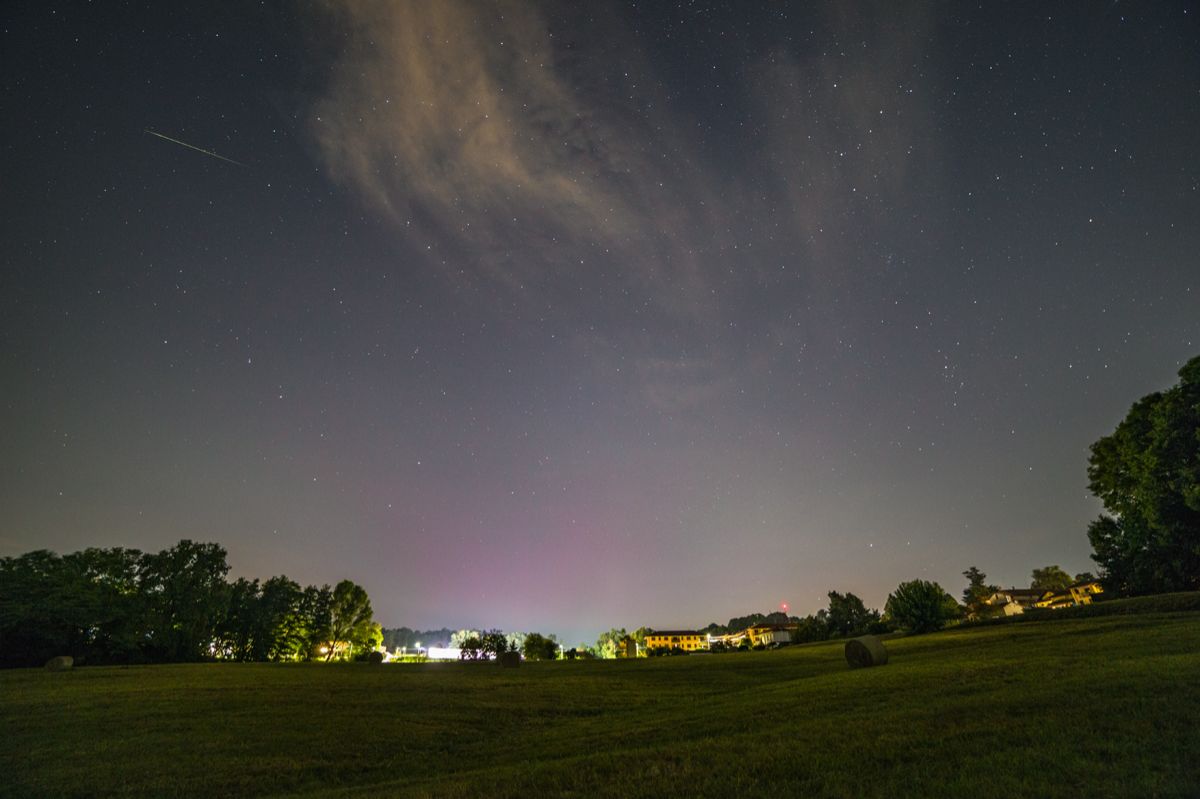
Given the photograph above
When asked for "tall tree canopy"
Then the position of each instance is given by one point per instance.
(978, 589)
(1050, 578)
(1147, 474)
(609, 642)
(123, 606)
(921, 606)
(848, 615)
(539, 647)
(186, 598)
(351, 620)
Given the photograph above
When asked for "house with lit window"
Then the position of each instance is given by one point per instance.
(1014, 601)
(1078, 594)
(767, 634)
(1018, 600)
(687, 640)
(763, 634)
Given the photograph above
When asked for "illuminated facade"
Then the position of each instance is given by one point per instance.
(687, 640)
(762, 634)
(1014, 601)
(692, 641)
(1018, 600)
(1077, 594)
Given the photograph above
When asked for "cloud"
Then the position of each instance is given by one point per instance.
(468, 118)
(568, 173)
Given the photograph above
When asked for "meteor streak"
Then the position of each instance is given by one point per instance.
(193, 147)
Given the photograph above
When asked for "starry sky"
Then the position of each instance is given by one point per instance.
(559, 317)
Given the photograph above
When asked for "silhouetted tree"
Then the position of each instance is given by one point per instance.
(493, 643)
(609, 642)
(1050, 578)
(470, 648)
(351, 619)
(921, 606)
(1147, 474)
(848, 615)
(977, 590)
(539, 647)
(186, 598)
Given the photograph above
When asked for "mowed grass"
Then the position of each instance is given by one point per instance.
(1106, 707)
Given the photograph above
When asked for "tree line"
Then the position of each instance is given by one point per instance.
(404, 638)
(116, 606)
(916, 606)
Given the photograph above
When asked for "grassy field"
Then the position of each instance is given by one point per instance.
(1103, 707)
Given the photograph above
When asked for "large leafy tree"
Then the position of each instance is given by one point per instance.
(921, 606)
(351, 620)
(639, 636)
(609, 642)
(978, 589)
(240, 629)
(470, 647)
(848, 615)
(186, 599)
(814, 627)
(283, 627)
(1147, 474)
(108, 599)
(539, 647)
(316, 606)
(460, 637)
(1050, 578)
(493, 643)
(43, 609)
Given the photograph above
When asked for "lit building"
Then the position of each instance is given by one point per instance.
(761, 634)
(1077, 594)
(1018, 600)
(1014, 601)
(687, 640)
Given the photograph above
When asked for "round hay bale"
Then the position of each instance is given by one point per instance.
(375, 658)
(60, 663)
(510, 660)
(865, 651)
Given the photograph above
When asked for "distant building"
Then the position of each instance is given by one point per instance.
(1013, 600)
(1018, 600)
(766, 634)
(763, 633)
(687, 640)
(1077, 594)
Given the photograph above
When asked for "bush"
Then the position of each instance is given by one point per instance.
(881, 627)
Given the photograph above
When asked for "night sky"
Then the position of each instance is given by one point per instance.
(561, 317)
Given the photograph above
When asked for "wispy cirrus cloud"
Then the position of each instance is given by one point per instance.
(546, 168)
(468, 117)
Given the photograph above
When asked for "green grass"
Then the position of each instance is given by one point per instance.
(1107, 707)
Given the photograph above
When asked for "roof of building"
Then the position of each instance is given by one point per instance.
(672, 633)
(1020, 592)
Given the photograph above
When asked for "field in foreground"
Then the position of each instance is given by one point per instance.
(1105, 707)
